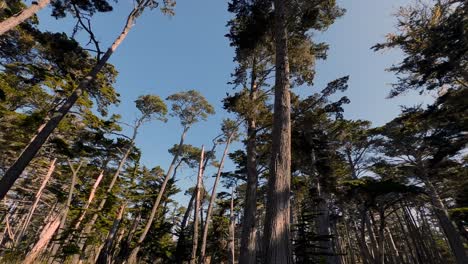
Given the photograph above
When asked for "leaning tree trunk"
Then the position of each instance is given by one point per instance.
(193, 258)
(247, 253)
(67, 207)
(44, 238)
(115, 177)
(14, 172)
(76, 257)
(133, 256)
(36, 200)
(450, 231)
(179, 256)
(11, 22)
(277, 229)
(212, 200)
(90, 200)
(104, 255)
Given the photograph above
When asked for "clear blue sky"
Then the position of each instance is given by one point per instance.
(163, 55)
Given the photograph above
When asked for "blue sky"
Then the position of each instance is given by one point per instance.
(163, 55)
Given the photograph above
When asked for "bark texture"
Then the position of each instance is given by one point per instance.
(11, 22)
(277, 231)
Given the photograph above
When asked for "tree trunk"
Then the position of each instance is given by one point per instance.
(179, 256)
(14, 172)
(104, 255)
(247, 253)
(125, 249)
(168, 175)
(11, 22)
(450, 231)
(277, 229)
(381, 239)
(232, 231)
(211, 203)
(193, 258)
(36, 200)
(45, 237)
(67, 206)
(90, 200)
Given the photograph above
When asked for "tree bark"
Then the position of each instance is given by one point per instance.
(211, 203)
(11, 22)
(277, 229)
(45, 237)
(14, 172)
(193, 257)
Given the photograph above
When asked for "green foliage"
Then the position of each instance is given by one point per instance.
(151, 107)
(190, 107)
(433, 37)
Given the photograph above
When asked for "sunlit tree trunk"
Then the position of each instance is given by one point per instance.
(11, 22)
(212, 200)
(277, 230)
(193, 257)
(90, 200)
(44, 238)
(36, 200)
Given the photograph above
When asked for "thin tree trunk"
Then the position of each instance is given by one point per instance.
(14, 172)
(45, 237)
(179, 256)
(67, 206)
(11, 22)
(125, 249)
(450, 231)
(232, 230)
(381, 238)
(193, 258)
(212, 200)
(37, 199)
(133, 256)
(90, 200)
(104, 255)
(247, 253)
(277, 229)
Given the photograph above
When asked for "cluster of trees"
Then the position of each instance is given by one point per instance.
(309, 186)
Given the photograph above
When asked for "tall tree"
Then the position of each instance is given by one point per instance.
(277, 219)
